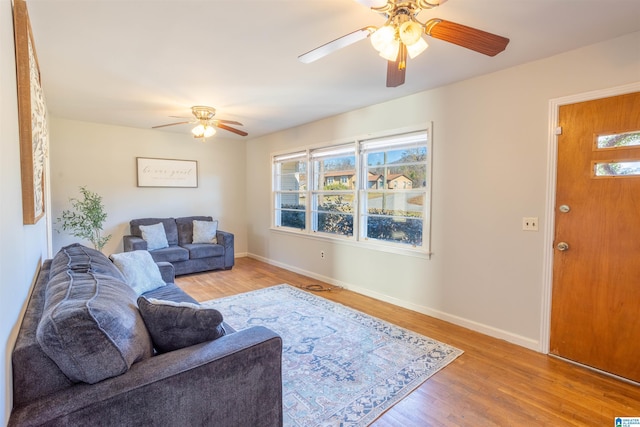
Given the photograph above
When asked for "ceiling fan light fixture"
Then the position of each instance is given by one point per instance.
(417, 48)
(209, 131)
(203, 131)
(382, 37)
(410, 32)
(390, 51)
(198, 131)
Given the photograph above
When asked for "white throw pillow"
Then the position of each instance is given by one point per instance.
(205, 231)
(140, 270)
(155, 236)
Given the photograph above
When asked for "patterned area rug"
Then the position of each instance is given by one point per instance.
(340, 367)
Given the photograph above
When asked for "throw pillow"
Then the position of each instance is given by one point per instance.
(205, 231)
(139, 269)
(155, 236)
(175, 325)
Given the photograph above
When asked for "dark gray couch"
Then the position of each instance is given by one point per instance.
(185, 256)
(234, 380)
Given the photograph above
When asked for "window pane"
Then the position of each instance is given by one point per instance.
(290, 210)
(336, 173)
(407, 155)
(407, 230)
(397, 169)
(334, 213)
(293, 218)
(291, 175)
(335, 223)
(627, 139)
(617, 169)
(406, 204)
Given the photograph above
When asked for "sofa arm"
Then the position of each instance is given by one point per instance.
(167, 270)
(235, 380)
(226, 239)
(134, 243)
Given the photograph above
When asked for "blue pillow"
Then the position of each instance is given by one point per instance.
(155, 236)
(139, 269)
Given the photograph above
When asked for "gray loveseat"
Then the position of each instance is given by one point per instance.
(186, 256)
(113, 376)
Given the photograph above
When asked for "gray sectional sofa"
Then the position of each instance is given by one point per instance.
(84, 356)
(186, 256)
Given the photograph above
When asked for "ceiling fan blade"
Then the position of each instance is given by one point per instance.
(230, 122)
(170, 124)
(471, 38)
(230, 129)
(334, 45)
(396, 70)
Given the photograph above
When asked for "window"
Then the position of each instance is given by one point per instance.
(629, 142)
(289, 189)
(333, 201)
(373, 192)
(393, 210)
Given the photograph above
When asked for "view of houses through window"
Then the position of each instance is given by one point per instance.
(375, 190)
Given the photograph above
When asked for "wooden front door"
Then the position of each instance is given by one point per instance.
(595, 313)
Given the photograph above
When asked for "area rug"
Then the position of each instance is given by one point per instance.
(340, 367)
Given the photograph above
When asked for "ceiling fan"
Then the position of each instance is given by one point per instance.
(206, 124)
(401, 35)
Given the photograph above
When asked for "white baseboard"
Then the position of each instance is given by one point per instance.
(456, 320)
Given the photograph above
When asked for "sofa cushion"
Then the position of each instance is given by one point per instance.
(91, 327)
(205, 231)
(175, 325)
(139, 269)
(204, 250)
(80, 258)
(185, 228)
(155, 236)
(170, 227)
(170, 254)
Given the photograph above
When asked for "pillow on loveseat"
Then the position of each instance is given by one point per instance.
(155, 236)
(90, 325)
(205, 231)
(175, 325)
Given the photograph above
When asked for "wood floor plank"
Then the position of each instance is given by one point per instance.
(494, 383)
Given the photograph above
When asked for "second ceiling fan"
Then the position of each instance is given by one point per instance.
(401, 36)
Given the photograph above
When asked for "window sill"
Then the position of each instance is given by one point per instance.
(350, 241)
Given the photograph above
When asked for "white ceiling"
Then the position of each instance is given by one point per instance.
(136, 62)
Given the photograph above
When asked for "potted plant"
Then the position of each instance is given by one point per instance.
(85, 218)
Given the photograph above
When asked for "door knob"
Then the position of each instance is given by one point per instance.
(562, 246)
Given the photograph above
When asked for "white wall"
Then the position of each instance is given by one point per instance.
(103, 158)
(489, 171)
(22, 247)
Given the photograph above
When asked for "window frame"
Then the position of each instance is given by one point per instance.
(359, 191)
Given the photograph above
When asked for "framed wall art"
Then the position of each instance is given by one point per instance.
(32, 117)
(167, 172)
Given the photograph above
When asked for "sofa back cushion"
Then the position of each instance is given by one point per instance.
(80, 258)
(90, 325)
(185, 228)
(170, 228)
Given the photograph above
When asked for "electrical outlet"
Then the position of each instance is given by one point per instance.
(530, 223)
(322, 254)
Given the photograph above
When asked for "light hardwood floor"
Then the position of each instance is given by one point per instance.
(494, 383)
